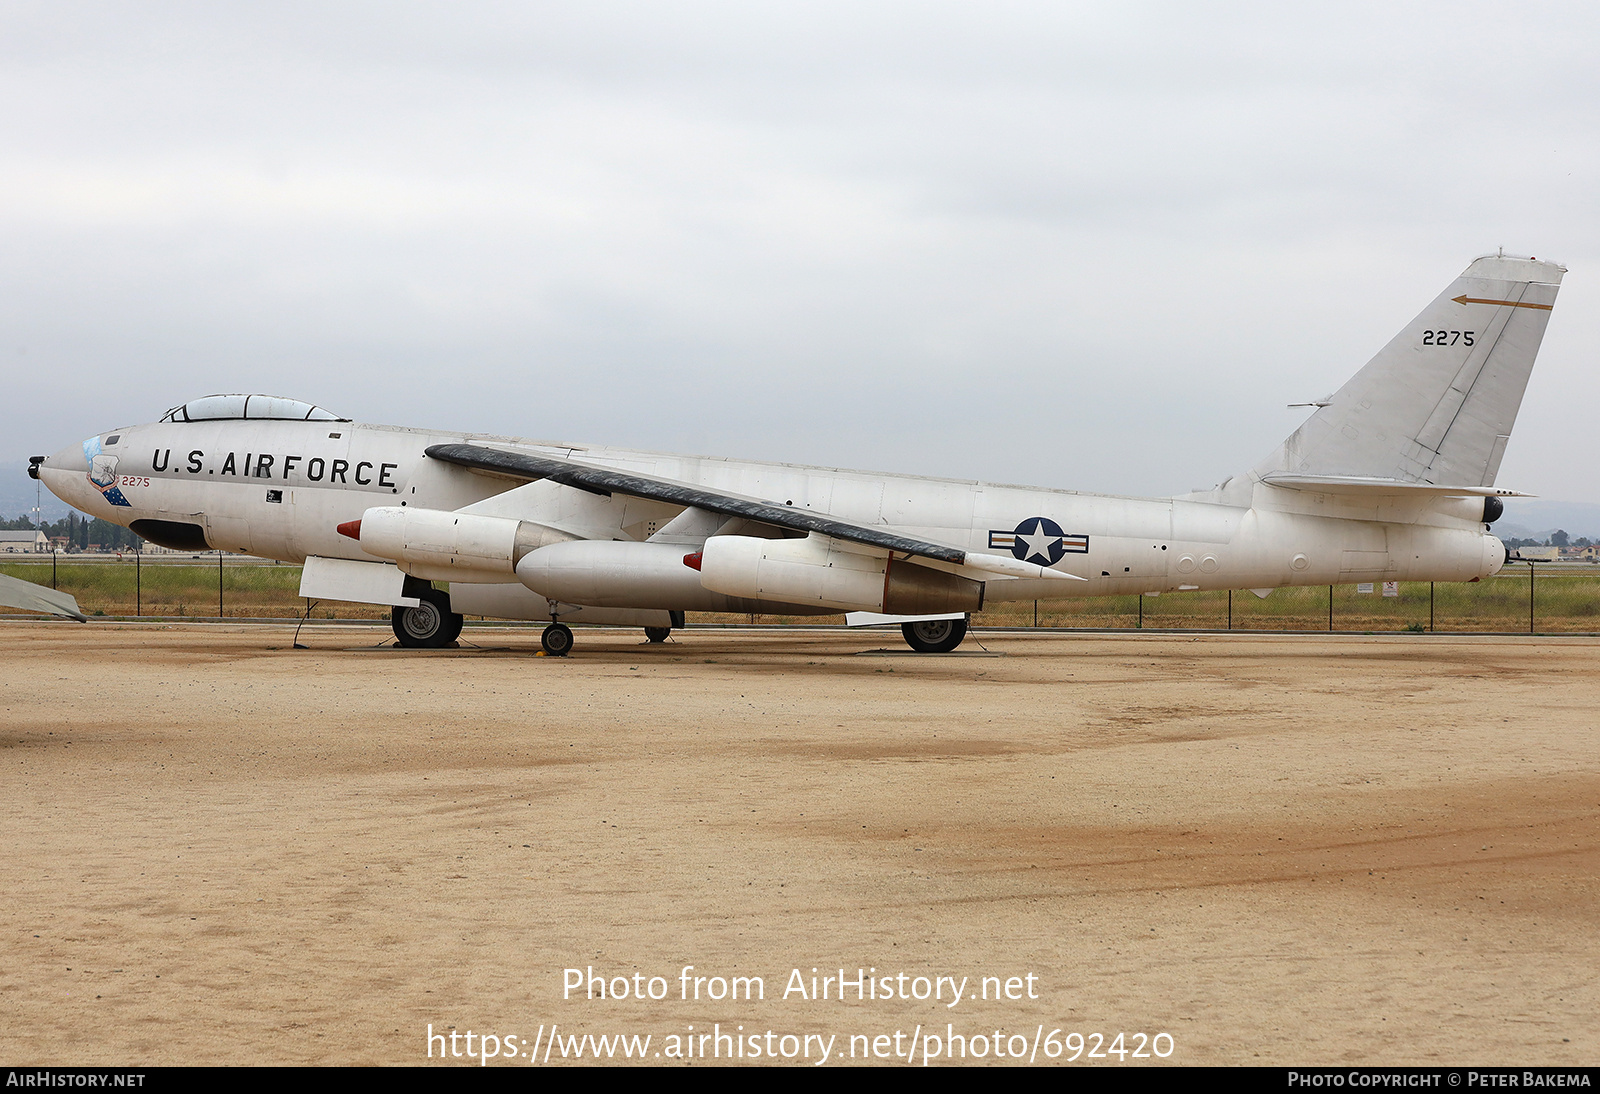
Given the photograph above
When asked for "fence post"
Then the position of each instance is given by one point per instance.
(1430, 607)
(219, 584)
(1141, 612)
(1230, 609)
(138, 585)
(1330, 609)
(1530, 597)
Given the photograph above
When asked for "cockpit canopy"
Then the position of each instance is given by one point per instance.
(215, 408)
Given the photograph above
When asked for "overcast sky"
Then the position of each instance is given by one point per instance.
(1095, 246)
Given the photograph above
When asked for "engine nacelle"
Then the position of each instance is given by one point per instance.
(819, 571)
(1494, 555)
(434, 545)
(616, 574)
(512, 601)
(625, 574)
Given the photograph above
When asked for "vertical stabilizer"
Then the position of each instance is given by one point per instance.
(1436, 405)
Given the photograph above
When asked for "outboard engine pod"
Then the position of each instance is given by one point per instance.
(821, 571)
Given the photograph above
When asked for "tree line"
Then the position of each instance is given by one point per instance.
(1558, 538)
(80, 532)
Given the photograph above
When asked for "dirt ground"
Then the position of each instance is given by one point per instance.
(1350, 850)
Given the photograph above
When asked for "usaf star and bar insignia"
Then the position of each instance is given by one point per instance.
(1039, 540)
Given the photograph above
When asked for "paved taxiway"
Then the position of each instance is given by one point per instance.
(1307, 850)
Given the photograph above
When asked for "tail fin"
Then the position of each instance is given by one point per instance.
(1436, 405)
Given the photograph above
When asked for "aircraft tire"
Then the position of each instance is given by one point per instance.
(657, 634)
(934, 635)
(557, 640)
(430, 625)
(453, 622)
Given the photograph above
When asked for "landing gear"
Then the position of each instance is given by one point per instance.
(430, 625)
(934, 635)
(659, 634)
(557, 640)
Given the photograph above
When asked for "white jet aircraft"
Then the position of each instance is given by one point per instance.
(1392, 478)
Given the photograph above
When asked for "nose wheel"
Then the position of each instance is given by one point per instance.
(557, 640)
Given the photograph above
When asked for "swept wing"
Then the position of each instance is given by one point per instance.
(604, 480)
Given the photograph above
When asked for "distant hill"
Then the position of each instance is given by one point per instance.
(17, 493)
(1536, 518)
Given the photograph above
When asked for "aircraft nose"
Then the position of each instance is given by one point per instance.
(71, 458)
(65, 474)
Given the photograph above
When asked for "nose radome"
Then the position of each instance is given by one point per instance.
(65, 474)
(74, 457)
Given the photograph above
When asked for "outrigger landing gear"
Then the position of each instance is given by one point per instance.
(934, 635)
(660, 634)
(430, 625)
(557, 640)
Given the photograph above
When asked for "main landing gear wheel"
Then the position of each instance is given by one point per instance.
(430, 625)
(934, 635)
(557, 640)
(657, 634)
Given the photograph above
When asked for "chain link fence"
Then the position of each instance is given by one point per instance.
(1523, 598)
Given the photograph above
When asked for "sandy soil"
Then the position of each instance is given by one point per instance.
(1275, 850)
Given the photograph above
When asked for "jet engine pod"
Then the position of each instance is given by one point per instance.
(435, 545)
(821, 571)
(1494, 556)
(617, 574)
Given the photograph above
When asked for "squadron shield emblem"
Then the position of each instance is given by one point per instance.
(103, 472)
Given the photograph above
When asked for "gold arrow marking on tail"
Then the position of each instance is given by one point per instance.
(1505, 303)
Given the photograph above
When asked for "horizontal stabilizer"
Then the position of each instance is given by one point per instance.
(16, 593)
(1352, 484)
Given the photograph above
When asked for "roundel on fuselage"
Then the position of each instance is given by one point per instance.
(1040, 540)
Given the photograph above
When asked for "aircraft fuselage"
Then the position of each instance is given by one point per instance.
(280, 489)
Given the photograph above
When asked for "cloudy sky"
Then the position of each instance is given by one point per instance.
(1096, 246)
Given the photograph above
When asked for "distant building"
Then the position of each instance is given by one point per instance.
(16, 543)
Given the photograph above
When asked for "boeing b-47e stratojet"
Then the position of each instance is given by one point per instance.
(1391, 478)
